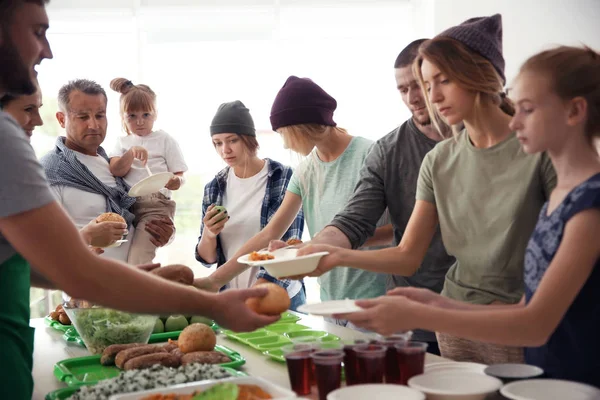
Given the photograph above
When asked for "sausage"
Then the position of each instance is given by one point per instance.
(204, 357)
(169, 347)
(124, 355)
(109, 353)
(176, 273)
(148, 360)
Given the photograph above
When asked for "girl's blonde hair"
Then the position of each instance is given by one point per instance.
(133, 98)
(468, 69)
(573, 72)
(310, 171)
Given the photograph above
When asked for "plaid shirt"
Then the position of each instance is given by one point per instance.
(277, 181)
(63, 168)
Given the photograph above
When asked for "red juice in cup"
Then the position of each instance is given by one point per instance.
(392, 370)
(351, 362)
(299, 364)
(328, 368)
(411, 359)
(371, 363)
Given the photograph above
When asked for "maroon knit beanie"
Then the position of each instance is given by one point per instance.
(301, 101)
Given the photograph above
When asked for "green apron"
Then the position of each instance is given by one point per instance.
(16, 336)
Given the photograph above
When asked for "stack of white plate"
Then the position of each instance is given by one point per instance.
(549, 389)
(455, 385)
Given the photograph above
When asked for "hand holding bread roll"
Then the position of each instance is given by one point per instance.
(105, 230)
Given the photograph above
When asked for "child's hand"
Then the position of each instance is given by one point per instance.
(139, 153)
(174, 183)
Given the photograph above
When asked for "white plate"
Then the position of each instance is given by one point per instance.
(277, 392)
(151, 184)
(328, 308)
(286, 263)
(116, 244)
(379, 391)
(549, 389)
(455, 366)
(455, 385)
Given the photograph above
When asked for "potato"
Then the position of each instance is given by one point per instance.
(197, 337)
(64, 319)
(274, 303)
(176, 273)
(54, 315)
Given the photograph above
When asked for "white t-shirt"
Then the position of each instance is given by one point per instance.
(164, 155)
(84, 207)
(243, 200)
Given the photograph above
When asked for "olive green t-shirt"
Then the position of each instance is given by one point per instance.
(488, 202)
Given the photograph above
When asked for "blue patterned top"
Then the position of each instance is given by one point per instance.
(573, 350)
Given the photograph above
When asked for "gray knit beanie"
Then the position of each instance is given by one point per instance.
(482, 35)
(233, 117)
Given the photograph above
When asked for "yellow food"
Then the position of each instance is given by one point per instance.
(274, 303)
(255, 256)
(197, 337)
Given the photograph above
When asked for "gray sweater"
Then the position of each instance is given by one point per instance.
(388, 178)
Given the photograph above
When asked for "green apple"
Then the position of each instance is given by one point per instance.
(222, 211)
(201, 320)
(159, 327)
(175, 323)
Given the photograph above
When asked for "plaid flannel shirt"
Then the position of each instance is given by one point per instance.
(277, 181)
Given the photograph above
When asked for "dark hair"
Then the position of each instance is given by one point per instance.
(408, 55)
(82, 85)
(8, 7)
(6, 99)
(574, 72)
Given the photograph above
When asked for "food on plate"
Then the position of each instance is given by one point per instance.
(292, 242)
(205, 357)
(101, 327)
(176, 273)
(222, 212)
(109, 353)
(125, 355)
(154, 377)
(148, 360)
(60, 315)
(159, 326)
(175, 323)
(274, 303)
(197, 337)
(256, 256)
(110, 217)
(220, 391)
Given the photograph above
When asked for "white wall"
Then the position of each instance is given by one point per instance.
(529, 25)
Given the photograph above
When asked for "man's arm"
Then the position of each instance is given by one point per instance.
(357, 222)
(38, 280)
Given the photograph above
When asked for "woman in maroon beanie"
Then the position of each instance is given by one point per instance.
(303, 114)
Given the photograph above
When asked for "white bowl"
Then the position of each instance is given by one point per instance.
(276, 392)
(455, 385)
(549, 389)
(455, 366)
(286, 263)
(378, 391)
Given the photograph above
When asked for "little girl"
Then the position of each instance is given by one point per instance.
(140, 147)
(557, 94)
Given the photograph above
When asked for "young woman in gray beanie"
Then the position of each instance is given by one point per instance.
(303, 114)
(242, 198)
(480, 187)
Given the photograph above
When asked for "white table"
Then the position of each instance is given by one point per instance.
(50, 348)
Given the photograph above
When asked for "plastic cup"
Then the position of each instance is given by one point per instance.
(371, 362)
(351, 362)
(300, 367)
(411, 359)
(328, 368)
(392, 369)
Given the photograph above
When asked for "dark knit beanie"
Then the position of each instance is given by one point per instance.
(482, 35)
(233, 117)
(301, 101)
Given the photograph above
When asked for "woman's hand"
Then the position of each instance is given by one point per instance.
(214, 221)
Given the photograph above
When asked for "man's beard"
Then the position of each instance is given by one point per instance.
(14, 75)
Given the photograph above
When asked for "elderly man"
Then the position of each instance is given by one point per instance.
(79, 175)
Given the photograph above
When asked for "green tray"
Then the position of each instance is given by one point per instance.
(56, 324)
(288, 317)
(71, 335)
(88, 370)
(285, 327)
(65, 393)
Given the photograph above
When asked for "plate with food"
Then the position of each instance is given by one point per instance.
(226, 389)
(283, 262)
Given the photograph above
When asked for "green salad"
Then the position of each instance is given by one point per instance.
(101, 327)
